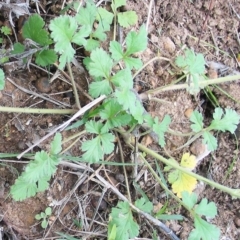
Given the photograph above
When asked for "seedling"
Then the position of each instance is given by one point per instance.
(203, 229)
(43, 217)
(2, 80)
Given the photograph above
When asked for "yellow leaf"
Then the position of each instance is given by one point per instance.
(184, 182)
(188, 161)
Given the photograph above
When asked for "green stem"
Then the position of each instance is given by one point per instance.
(73, 86)
(163, 186)
(232, 192)
(37, 110)
(202, 84)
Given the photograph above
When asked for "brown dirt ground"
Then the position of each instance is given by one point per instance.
(173, 25)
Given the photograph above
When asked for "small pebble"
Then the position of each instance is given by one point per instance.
(188, 112)
(102, 205)
(43, 85)
(169, 45)
(237, 221)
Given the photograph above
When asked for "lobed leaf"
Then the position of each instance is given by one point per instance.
(46, 57)
(204, 230)
(127, 19)
(33, 29)
(206, 209)
(189, 199)
(101, 64)
(122, 218)
(161, 128)
(227, 122)
(63, 29)
(144, 205)
(197, 120)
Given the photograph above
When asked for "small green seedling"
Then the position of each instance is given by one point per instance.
(43, 216)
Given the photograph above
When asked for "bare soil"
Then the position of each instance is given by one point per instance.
(208, 27)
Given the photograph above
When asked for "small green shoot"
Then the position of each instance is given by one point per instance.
(2, 79)
(125, 19)
(5, 30)
(43, 217)
(122, 225)
(203, 230)
(222, 122)
(38, 172)
(193, 66)
(102, 144)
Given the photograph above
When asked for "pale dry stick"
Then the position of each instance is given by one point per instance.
(156, 222)
(65, 124)
(37, 110)
(215, 42)
(149, 14)
(96, 210)
(36, 94)
(238, 15)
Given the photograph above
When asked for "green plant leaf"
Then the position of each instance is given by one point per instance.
(18, 48)
(116, 50)
(118, 3)
(123, 79)
(102, 144)
(101, 64)
(144, 205)
(161, 128)
(204, 230)
(210, 141)
(5, 30)
(80, 35)
(136, 42)
(38, 217)
(66, 236)
(2, 79)
(56, 144)
(37, 173)
(122, 218)
(197, 120)
(194, 64)
(127, 98)
(112, 233)
(91, 44)
(227, 122)
(126, 19)
(63, 29)
(44, 223)
(131, 62)
(86, 16)
(101, 87)
(104, 18)
(189, 199)
(23, 189)
(167, 217)
(114, 115)
(33, 29)
(206, 209)
(46, 57)
(48, 211)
